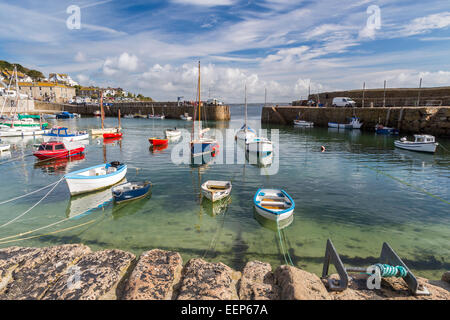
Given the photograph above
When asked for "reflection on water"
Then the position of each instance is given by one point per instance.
(60, 166)
(215, 208)
(271, 224)
(360, 192)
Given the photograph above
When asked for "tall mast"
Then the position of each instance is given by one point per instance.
(17, 96)
(245, 120)
(119, 119)
(199, 103)
(102, 112)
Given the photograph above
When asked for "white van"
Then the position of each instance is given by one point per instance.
(343, 102)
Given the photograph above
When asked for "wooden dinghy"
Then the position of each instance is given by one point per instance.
(216, 190)
(131, 191)
(273, 204)
(95, 178)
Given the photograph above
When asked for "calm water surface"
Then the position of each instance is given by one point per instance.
(359, 193)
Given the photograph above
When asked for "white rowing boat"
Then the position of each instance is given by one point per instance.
(172, 133)
(273, 204)
(95, 178)
(216, 190)
(421, 143)
(303, 124)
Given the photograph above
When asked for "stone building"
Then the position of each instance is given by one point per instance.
(47, 91)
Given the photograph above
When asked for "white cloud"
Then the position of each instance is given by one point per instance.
(125, 62)
(427, 23)
(80, 57)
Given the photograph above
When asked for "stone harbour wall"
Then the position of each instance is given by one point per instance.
(430, 120)
(75, 272)
(170, 109)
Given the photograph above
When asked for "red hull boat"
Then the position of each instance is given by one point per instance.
(56, 150)
(112, 135)
(158, 142)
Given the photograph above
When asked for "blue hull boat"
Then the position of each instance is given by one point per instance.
(130, 191)
(379, 129)
(65, 115)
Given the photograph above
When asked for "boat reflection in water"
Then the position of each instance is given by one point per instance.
(261, 160)
(129, 208)
(272, 224)
(5, 155)
(158, 148)
(215, 208)
(61, 165)
(83, 205)
(112, 140)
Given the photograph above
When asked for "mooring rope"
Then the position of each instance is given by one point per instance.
(28, 194)
(33, 206)
(57, 222)
(407, 184)
(388, 271)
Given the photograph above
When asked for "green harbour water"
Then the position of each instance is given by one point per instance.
(360, 193)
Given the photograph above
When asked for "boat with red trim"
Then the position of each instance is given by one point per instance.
(56, 149)
(158, 141)
(112, 135)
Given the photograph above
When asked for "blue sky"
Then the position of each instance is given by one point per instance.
(152, 47)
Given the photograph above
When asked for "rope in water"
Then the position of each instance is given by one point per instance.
(407, 184)
(387, 271)
(28, 194)
(33, 206)
(87, 212)
(282, 248)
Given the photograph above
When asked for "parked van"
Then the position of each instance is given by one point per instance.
(343, 102)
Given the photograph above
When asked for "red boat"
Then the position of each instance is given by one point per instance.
(55, 150)
(158, 148)
(158, 142)
(112, 135)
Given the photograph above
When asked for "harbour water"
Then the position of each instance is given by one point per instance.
(360, 193)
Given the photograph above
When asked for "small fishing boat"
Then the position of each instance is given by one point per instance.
(421, 143)
(158, 141)
(216, 190)
(172, 133)
(186, 117)
(273, 204)
(260, 145)
(130, 191)
(97, 113)
(353, 124)
(128, 116)
(112, 135)
(95, 178)
(65, 115)
(245, 133)
(49, 116)
(56, 150)
(63, 133)
(156, 116)
(380, 129)
(303, 124)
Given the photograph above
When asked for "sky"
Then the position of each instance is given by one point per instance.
(283, 46)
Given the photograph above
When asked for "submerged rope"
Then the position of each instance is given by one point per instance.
(282, 248)
(407, 184)
(33, 206)
(30, 193)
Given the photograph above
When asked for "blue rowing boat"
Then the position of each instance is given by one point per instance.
(130, 191)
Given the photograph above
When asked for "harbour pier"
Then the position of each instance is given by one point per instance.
(429, 120)
(171, 110)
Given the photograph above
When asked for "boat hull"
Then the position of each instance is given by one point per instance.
(303, 124)
(80, 185)
(99, 132)
(204, 147)
(419, 147)
(158, 142)
(129, 195)
(216, 195)
(267, 211)
(260, 146)
(245, 135)
(23, 133)
(112, 135)
(45, 155)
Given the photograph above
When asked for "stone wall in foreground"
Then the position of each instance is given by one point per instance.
(431, 120)
(75, 272)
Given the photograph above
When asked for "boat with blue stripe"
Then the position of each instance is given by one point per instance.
(274, 204)
(130, 191)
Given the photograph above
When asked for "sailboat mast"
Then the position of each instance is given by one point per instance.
(245, 120)
(199, 103)
(265, 96)
(102, 112)
(17, 96)
(119, 119)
